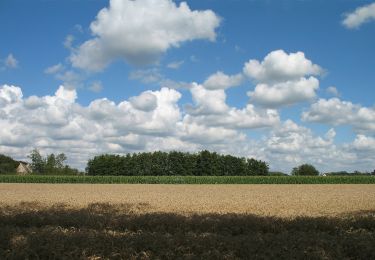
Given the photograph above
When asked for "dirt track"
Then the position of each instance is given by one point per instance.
(278, 200)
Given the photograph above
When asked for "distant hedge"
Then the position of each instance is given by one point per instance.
(175, 163)
(7, 164)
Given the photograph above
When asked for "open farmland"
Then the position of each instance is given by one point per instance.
(103, 221)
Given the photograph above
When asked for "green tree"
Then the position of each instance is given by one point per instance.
(38, 164)
(305, 169)
(203, 165)
(50, 163)
(256, 167)
(60, 161)
(175, 164)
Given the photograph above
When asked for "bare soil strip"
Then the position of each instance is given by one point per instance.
(267, 200)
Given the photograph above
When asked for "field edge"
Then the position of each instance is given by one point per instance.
(188, 179)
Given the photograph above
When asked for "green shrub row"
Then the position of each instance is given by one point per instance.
(189, 179)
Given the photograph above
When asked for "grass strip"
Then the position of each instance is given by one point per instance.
(189, 179)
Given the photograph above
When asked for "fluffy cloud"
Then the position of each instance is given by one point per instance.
(279, 66)
(290, 137)
(119, 33)
(245, 118)
(364, 143)
(150, 121)
(282, 79)
(9, 95)
(290, 144)
(146, 101)
(151, 113)
(336, 112)
(207, 101)
(284, 93)
(58, 123)
(210, 109)
(194, 132)
(360, 16)
(153, 120)
(219, 80)
(363, 149)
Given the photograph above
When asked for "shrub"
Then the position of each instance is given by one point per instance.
(305, 169)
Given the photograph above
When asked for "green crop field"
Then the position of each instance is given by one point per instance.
(190, 179)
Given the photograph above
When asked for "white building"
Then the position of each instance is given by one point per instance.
(24, 168)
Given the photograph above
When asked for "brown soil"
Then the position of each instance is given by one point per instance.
(271, 200)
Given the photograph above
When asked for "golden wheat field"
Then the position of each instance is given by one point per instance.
(110, 221)
(269, 200)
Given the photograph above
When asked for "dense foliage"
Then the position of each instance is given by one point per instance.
(175, 163)
(305, 169)
(52, 164)
(189, 179)
(7, 164)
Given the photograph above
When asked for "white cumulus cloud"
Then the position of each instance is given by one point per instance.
(220, 80)
(119, 33)
(280, 66)
(284, 93)
(9, 95)
(359, 16)
(364, 143)
(154, 120)
(290, 144)
(337, 112)
(146, 101)
(210, 109)
(207, 101)
(282, 79)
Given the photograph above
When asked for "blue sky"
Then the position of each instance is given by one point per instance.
(283, 81)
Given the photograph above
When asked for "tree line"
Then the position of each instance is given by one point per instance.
(175, 163)
(51, 164)
(158, 163)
